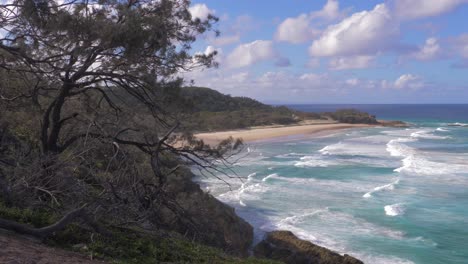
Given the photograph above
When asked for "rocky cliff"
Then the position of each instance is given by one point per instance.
(211, 222)
(286, 247)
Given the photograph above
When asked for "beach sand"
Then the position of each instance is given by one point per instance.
(266, 133)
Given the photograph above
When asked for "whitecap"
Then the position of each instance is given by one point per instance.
(397, 149)
(395, 209)
(458, 124)
(389, 186)
(427, 135)
(314, 161)
(441, 129)
(289, 155)
(269, 176)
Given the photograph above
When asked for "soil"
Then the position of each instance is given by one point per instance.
(23, 250)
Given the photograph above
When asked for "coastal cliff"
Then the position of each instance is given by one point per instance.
(286, 247)
(216, 224)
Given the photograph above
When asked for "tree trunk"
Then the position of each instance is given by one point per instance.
(42, 232)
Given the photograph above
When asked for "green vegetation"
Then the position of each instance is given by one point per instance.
(209, 110)
(125, 245)
(352, 116)
(96, 131)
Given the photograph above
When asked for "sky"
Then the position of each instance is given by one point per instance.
(337, 51)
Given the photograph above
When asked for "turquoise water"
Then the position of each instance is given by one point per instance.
(384, 195)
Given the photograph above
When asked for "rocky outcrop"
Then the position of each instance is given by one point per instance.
(286, 247)
(393, 123)
(210, 221)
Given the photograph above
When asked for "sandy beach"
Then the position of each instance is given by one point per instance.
(265, 133)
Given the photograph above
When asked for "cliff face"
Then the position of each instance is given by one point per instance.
(286, 247)
(211, 222)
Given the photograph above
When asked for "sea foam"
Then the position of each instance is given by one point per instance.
(389, 186)
(394, 209)
(427, 135)
(269, 176)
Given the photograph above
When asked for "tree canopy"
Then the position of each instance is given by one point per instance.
(105, 53)
(83, 125)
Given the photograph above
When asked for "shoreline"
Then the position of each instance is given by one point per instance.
(268, 132)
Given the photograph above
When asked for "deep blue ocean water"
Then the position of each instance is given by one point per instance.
(384, 195)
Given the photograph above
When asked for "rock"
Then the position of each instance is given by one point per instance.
(392, 123)
(217, 223)
(286, 247)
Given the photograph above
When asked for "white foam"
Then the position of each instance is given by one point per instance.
(289, 155)
(296, 219)
(314, 161)
(440, 129)
(426, 135)
(395, 209)
(397, 149)
(355, 147)
(458, 124)
(390, 186)
(421, 165)
(269, 176)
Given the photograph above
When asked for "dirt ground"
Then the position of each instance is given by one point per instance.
(21, 250)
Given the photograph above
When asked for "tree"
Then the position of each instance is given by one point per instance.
(113, 52)
(95, 72)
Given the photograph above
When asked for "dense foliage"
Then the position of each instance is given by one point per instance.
(207, 110)
(352, 116)
(204, 109)
(84, 135)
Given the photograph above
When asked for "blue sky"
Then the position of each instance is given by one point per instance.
(332, 51)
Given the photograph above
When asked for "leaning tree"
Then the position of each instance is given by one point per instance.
(92, 76)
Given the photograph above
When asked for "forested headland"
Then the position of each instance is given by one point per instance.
(96, 132)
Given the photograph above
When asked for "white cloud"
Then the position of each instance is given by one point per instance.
(351, 62)
(410, 81)
(414, 9)
(363, 33)
(299, 29)
(430, 50)
(330, 11)
(296, 30)
(251, 53)
(200, 11)
(353, 81)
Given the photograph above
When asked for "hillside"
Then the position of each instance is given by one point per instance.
(206, 109)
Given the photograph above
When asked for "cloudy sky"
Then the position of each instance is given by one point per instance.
(337, 51)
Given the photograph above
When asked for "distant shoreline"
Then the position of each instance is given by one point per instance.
(269, 132)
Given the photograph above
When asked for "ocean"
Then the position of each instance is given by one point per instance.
(383, 195)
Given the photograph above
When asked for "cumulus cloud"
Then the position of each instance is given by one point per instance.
(430, 50)
(330, 11)
(414, 9)
(408, 81)
(351, 62)
(251, 53)
(363, 33)
(299, 29)
(296, 30)
(200, 11)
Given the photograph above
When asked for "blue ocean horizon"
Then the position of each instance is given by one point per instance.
(383, 195)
